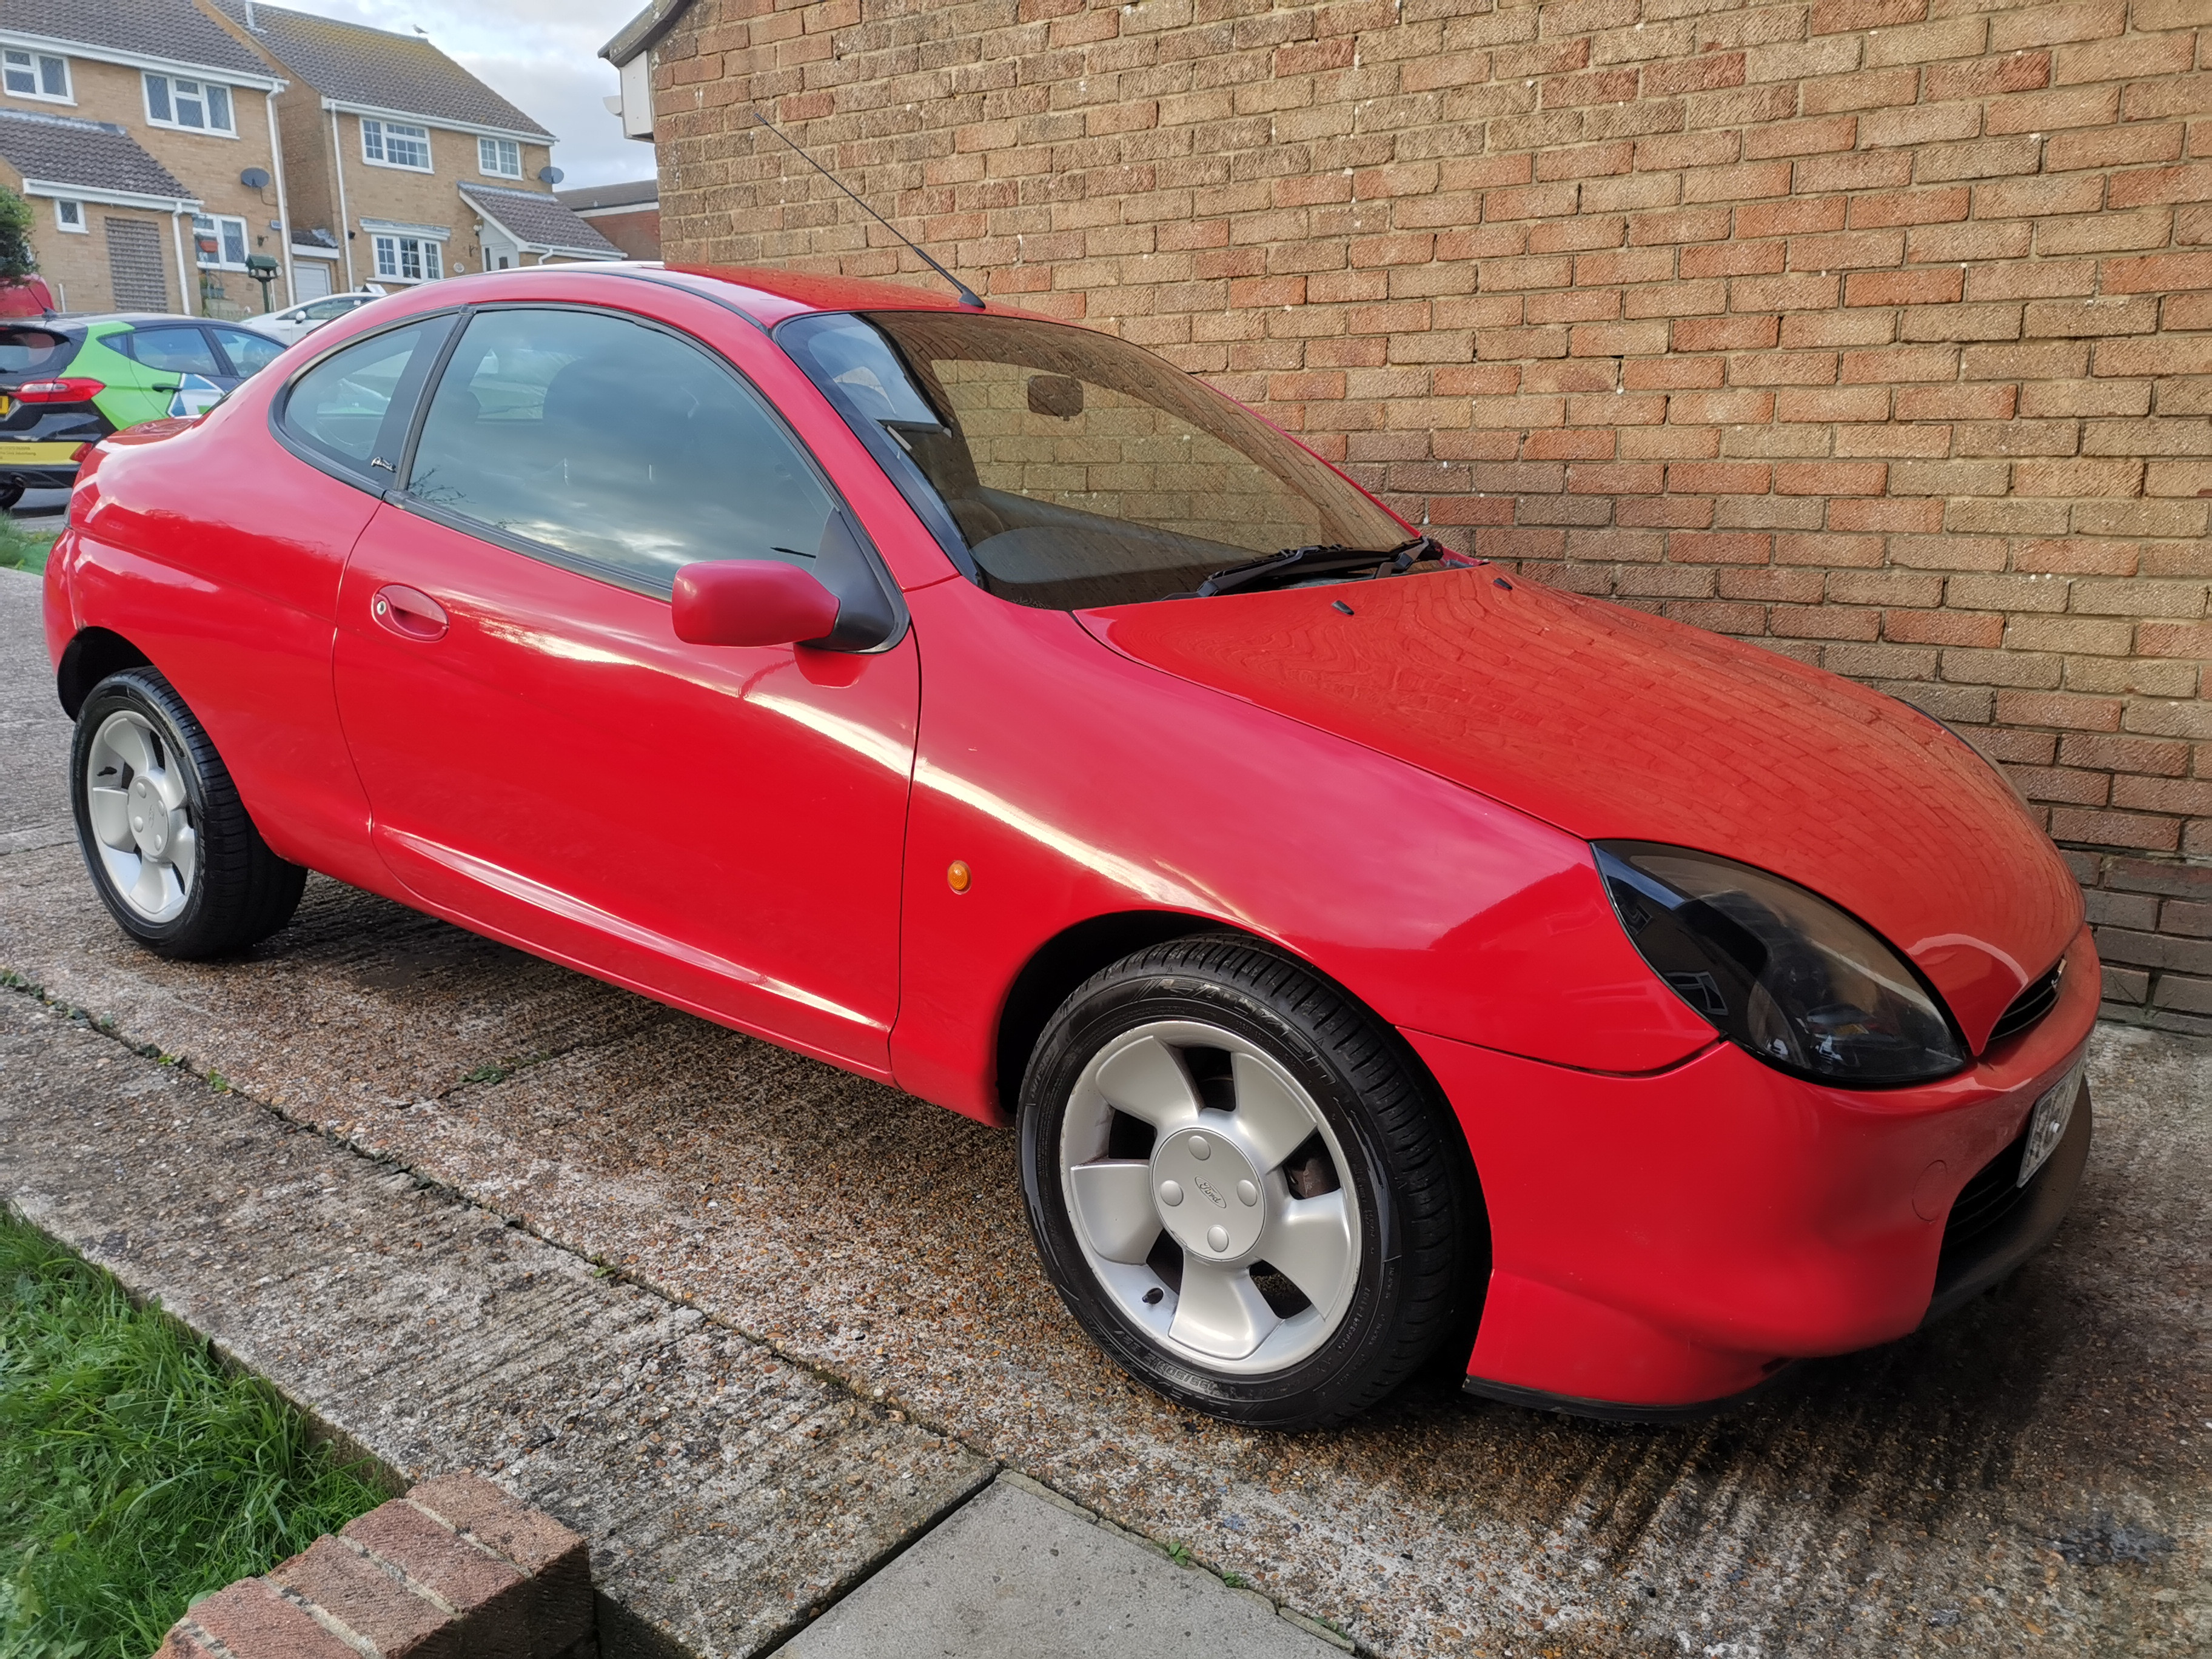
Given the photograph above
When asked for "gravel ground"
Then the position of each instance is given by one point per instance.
(2029, 1477)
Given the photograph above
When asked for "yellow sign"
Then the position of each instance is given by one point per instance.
(23, 454)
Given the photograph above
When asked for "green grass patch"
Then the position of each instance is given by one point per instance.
(136, 1472)
(21, 549)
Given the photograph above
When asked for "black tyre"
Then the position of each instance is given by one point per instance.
(177, 860)
(10, 493)
(1244, 1185)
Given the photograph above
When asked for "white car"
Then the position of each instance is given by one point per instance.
(294, 321)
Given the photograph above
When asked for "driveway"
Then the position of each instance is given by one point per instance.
(2030, 1476)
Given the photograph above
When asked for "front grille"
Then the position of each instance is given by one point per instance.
(2030, 1005)
(1988, 1199)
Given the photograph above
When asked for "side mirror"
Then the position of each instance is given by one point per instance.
(750, 602)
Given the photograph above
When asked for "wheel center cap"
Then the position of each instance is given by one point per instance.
(1207, 1194)
(149, 819)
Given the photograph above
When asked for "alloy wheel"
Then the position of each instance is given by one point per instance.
(141, 818)
(1208, 1194)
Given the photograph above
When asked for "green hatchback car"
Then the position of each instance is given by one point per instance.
(67, 382)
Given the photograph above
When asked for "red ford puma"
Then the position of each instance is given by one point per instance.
(1376, 952)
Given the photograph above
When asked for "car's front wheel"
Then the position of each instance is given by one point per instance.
(169, 844)
(1243, 1186)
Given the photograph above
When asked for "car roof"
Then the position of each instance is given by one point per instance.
(769, 296)
(78, 321)
(766, 296)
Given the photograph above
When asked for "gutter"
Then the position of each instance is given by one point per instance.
(643, 31)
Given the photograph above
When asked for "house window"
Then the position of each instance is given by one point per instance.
(500, 157)
(200, 105)
(408, 259)
(70, 215)
(221, 240)
(395, 144)
(34, 75)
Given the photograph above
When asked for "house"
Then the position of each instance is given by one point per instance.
(144, 136)
(403, 167)
(629, 215)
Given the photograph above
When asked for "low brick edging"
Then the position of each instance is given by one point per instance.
(2152, 919)
(455, 1570)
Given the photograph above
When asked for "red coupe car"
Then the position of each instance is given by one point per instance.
(1382, 959)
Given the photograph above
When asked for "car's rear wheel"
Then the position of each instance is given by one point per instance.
(1243, 1185)
(171, 849)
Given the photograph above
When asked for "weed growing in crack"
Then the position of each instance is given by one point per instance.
(1180, 1554)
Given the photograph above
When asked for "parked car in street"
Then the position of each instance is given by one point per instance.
(1380, 957)
(26, 296)
(297, 322)
(67, 382)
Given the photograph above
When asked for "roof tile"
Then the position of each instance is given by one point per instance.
(351, 63)
(537, 221)
(174, 29)
(91, 154)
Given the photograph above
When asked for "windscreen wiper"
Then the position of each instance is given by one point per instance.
(1329, 559)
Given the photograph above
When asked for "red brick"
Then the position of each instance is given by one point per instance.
(1941, 286)
(464, 1576)
(370, 1601)
(2114, 830)
(1830, 478)
(250, 1619)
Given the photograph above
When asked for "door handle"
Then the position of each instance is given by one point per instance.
(409, 612)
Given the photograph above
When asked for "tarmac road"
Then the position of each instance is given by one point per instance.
(2029, 1477)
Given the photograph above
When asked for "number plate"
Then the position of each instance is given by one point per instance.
(7, 407)
(2046, 1125)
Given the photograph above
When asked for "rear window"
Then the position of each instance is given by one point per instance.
(33, 350)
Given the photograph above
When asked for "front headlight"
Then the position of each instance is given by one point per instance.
(1777, 970)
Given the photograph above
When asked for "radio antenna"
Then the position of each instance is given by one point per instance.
(968, 295)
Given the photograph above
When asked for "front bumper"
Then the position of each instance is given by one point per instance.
(1665, 1241)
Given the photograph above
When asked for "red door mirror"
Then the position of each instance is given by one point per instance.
(750, 602)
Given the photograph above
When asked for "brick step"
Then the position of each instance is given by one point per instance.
(455, 1570)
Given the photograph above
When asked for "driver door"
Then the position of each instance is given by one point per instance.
(720, 827)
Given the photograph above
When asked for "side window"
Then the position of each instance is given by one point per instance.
(339, 407)
(249, 353)
(173, 351)
(620, 445)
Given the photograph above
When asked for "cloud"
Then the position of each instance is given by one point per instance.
(542, 56)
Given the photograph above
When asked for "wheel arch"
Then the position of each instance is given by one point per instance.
(1063, 962)
(1080, 950)
(90, 658)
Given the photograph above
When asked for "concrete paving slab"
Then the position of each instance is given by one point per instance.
(728, 1494)
(2031, 1476)
(1012, 1576)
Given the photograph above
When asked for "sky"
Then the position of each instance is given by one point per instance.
(540, 55)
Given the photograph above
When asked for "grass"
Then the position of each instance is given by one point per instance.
(135, 1473)
(21, 549)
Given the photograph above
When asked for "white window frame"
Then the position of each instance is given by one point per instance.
(200, 90)
(380, 155)
(430, 257)
(216, 222)
(490, 152)
(36, 62)
(61, 223)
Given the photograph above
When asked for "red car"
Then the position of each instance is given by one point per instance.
(1382, 958)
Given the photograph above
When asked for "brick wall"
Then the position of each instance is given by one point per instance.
(1878, 331)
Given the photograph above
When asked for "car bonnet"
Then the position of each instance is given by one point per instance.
(1611, 723)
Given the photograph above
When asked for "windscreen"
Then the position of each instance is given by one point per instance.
(1071, 469)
